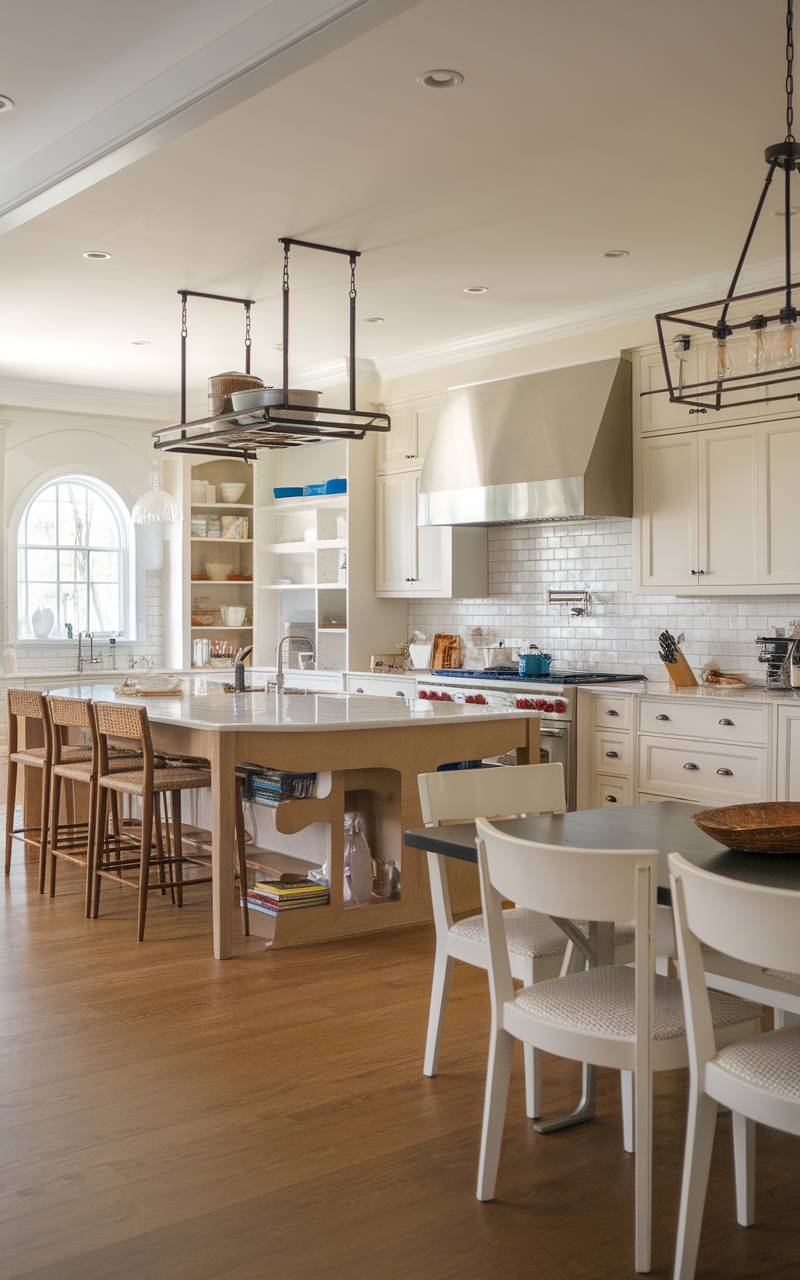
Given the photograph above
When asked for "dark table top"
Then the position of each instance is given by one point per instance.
(665, 825)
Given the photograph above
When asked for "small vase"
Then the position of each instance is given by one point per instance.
(42, 623)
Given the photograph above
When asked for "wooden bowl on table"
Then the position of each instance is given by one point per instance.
(768, 827)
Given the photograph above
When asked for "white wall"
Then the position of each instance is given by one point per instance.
(40, 443)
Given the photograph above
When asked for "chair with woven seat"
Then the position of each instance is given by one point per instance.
(758, 1078)
(74, 841)
(537, 946)
(626, 1019)
(147, 784)
(30, 706)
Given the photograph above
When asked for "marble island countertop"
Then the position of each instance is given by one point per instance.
(206, 708)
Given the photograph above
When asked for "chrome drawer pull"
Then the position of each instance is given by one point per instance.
(726, 773)
(662, 717)
(399, 693)
(359, 690)
(611, 799)
(612, 713)
(691, 766)
(726, 722)
(613, 755)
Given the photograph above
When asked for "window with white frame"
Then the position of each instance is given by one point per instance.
(73, 559)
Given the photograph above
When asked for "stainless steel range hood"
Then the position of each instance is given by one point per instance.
(547, 446)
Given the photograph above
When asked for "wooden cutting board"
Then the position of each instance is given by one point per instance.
(447, 652)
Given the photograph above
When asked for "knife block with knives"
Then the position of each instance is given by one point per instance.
(680, 673)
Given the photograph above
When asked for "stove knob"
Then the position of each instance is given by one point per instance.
(540, 704)
(561, 707)
(549, 706)
(480, 698)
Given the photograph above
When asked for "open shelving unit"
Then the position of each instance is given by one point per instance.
(315, 558)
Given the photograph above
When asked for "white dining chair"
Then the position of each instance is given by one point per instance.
(616, 1016)
(758, 1078)
(537, 947)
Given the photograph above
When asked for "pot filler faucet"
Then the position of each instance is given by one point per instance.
(279, 675)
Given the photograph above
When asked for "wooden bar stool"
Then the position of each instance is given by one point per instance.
(30, 705)
(71, 840)
(148, 784)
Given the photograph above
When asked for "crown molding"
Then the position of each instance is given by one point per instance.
(608, 314)
(106, 402)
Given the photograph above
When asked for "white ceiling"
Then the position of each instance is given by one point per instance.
(635, 124)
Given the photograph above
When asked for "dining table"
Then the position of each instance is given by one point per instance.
(662, 825)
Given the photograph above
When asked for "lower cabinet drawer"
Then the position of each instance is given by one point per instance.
(612, 752)
(381, 686)
(700, 771)
(610, 791)
(720, 720)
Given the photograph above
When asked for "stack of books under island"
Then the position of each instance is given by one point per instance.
(276, 896)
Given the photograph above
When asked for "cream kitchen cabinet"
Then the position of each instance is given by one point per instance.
(788, 754)
(424, 562)
(655, 412)
(716, 511)
(779, 467)
(413, 422)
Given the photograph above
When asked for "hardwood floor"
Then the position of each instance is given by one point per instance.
(168, 1117)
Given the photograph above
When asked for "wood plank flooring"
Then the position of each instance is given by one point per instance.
(167, 1117)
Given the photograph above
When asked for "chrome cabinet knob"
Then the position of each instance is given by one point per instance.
(662, 717)
(611, 799)
(359, 690)
(612, 713)
(613, 755)
(725, 773)
(726, 722)
(691, 766)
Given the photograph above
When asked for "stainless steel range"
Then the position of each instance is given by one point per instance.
(551, 695)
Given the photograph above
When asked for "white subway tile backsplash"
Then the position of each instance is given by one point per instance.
(622, 629)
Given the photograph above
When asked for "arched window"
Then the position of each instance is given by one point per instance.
(72, 558)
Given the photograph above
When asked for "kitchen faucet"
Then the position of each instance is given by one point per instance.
(279, 675)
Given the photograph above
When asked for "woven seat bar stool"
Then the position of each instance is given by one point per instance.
(148, 784)
(71, 840)
(30, 706)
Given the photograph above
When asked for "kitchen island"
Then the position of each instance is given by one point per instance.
(366, 752)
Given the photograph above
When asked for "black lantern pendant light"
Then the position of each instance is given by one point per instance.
(741, 348)
(281, 425)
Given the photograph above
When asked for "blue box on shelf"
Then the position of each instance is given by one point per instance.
(288, 491)
(339, 485)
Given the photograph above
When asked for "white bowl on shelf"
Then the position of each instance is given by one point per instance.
(231, 492)
(219, 572)
(233, 615)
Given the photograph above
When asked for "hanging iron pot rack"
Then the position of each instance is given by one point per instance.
(276, 426)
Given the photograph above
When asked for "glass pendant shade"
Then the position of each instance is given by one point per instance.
(757, 355)
(719, 360)
(156, 506)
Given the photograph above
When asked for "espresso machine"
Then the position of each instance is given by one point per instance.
(778, 652)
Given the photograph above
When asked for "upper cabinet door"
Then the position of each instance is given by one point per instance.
(669, 511)
(396, 561)
(397, 449)
(656, 412)
(728, 506)
(434, 555)
(780, 524)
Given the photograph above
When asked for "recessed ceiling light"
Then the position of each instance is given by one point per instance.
(476, 288)
(6, 104)
(140, 342)
(440, 79)
(781, 213)
(616, 253)
(96, 254)
(373, 320)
